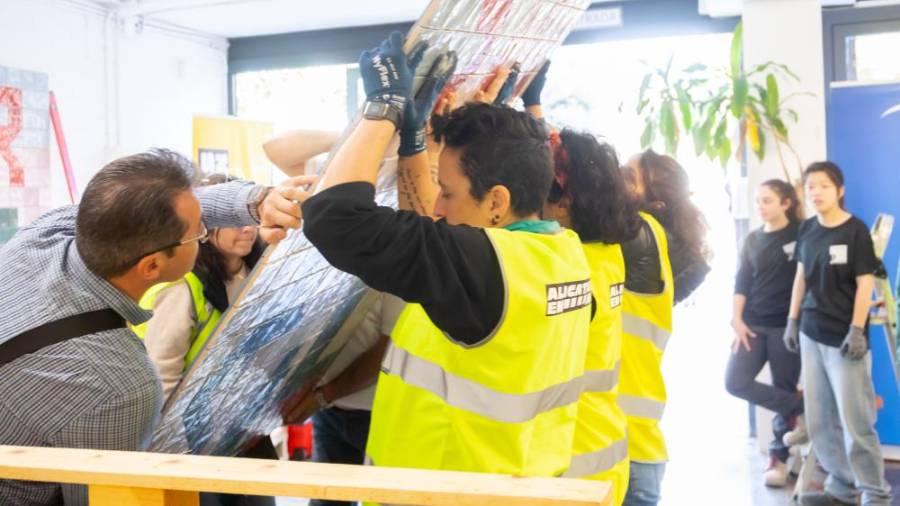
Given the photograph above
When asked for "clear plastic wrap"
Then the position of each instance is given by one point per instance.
(297, 312)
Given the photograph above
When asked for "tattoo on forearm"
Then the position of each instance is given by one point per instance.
(409, 190)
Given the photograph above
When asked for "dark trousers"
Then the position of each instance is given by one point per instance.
(339, 437)
(781, 397)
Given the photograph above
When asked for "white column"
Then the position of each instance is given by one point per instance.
(789, 32)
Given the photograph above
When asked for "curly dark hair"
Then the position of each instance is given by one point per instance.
(667, 196)
(601, 209)
(502, 146)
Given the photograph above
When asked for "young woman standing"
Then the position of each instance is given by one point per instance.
(762, 297)
(827, 322)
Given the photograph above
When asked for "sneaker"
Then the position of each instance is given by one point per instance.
(777, 473)
(821, 499)
(797, 435)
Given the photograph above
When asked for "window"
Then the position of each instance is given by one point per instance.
(872, 57)
(298, 98)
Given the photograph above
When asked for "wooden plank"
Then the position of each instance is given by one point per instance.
(103, 495)
(294, 479)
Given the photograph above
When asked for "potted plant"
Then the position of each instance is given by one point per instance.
(714, 106)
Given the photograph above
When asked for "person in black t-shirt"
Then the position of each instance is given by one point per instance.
(762, 296)
(831, 297)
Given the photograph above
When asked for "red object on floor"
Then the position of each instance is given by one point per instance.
(299, 442)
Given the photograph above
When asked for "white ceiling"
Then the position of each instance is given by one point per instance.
(242, 18)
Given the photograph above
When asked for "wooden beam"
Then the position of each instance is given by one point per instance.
(293, 479)
(103, 495)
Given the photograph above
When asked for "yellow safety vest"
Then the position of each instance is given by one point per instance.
(646, 325)
(601, 446)
(506, 405)
(206, 316)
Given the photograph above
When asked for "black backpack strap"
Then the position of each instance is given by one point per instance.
(58, 331)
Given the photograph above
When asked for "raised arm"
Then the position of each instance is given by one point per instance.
(291, 151)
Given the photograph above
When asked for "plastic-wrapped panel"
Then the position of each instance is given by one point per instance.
(297, 312)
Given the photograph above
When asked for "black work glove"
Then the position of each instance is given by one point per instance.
(412, 134)
(387, 73)
(509, 86)
(532, 94)
(855, 345)
(792, 335)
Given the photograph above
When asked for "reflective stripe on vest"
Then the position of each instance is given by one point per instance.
(466, 394)
(647, 322)
(592, 463)
(502, 405)
(601, 381)
(644, 329)
(641, 407)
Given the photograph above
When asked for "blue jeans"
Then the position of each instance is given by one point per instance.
(339, 437)
(840, 416)
(644, 484)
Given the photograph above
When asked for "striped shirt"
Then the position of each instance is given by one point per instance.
(96, 391)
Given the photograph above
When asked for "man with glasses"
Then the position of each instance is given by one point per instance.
(71, 373)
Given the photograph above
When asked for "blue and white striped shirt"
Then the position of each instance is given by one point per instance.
(97, 391)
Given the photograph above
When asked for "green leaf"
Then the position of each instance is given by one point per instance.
(762, 67)
(713, 111)
(739, 98)
(642, 105)
(787, 71)
(712, 150)
(761, 91)
(761, 153)
(772, 99)
(720, 131)
(737, 45)
(701, 138)
(779, 127)
(684, 102)
(793, 114)
(668, 127)
(645, 84)
(649, 133)
(697, 67)
(724, 151)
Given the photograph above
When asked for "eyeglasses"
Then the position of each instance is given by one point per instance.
(201, 239)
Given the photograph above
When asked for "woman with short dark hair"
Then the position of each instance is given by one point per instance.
(485, 362)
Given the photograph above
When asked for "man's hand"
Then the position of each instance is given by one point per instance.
(280, 210)
(741, 331)
(855, 344)
(412, 134)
